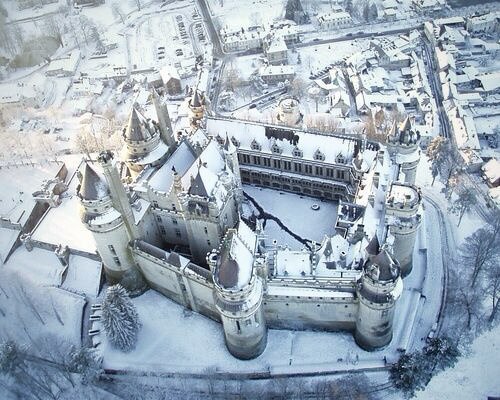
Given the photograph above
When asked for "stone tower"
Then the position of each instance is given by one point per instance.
(106, 223)
(231, 156)
(143, 145)
(238, 293)
(402, 213)
(403, 143)
(288, 112)
(165, 125)
(378, 289)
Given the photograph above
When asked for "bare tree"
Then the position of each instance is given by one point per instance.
(464, 202)
(117, 12)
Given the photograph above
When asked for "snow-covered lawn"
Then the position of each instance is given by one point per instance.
(475, 376)
(173, 339)
(296, 213)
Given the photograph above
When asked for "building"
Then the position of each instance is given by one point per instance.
(274, 74)
(170, 211)
(276, 51)
(491, 173)
(65, 66)
(171, 80)
(334, 20)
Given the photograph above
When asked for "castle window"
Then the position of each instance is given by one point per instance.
(309, 169)
(277, 164)
(297, 167)
(158, 218)
(248, 322)
(319, 156)
(267, 162)
(173, 207)
(208, 242)
(155, 204)
(178, 233)
(206, 230)
(319, 171)
(238, 327)
(287, 165)
(256, 160)
(112, 249)
(297, 152)
(255, 145)
(340, 158)
(117, 261)
(276, 149)
(174, 221)
(162, 230)
(235, 142)
(384, 313)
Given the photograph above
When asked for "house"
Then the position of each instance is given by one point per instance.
(491, 173)
(276, 51)
(274, 74)
(171, 80)
(334, 20)
(65, 66)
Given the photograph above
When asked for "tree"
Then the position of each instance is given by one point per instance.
(366, 11)
(493, 289)
(349, 6)
(409, 374)
(373, 12)
(117, 12)
(443, 160)
(292, 7)
(464, 202)
(441, 353)
(120, 318)
(84, 361)
(480, 251)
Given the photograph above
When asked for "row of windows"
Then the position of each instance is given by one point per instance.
(295, 167)
(276, 149)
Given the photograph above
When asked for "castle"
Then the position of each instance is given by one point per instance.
(168, 208)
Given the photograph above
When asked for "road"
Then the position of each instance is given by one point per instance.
(211, 30)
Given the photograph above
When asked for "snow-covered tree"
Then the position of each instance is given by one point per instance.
(120, 318)
(84, 361)
(410, 373)
(117, 11)
(441, 353)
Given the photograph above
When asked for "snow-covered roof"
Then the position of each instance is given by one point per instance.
(491, 170)
(490, 81)
(245, 133)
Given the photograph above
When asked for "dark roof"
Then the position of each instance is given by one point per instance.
(137, 127)
(387, 267)
(196, 101)
(198, 187)
(373, 247)
(93, 187)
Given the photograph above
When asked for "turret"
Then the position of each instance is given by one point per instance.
(378, 289)
(143, 145)
(403, 144)
(289, 112)
(166, 132)
(231, 156)
(196, 106)
(106, 224)
(402, 211)
(238, 293)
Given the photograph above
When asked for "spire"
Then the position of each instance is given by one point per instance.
(405, 125)
(137, 128)
(93, 187)
(198, 187)
(196, 102)
(228, 146)
(373, 247)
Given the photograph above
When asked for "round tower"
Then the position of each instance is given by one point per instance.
(403, 143)
(105, 223)
(402, 211)
(143, 145)
(196, 106)
(378, 289)
(289, 112)
(238, 294)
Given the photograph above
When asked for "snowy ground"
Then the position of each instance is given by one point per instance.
(475, 376)
(311, 225)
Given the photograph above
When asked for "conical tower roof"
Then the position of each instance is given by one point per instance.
(137, 128)
(405, 125)
(93, 186)
(388, 268)
(196, 100)
(198, 187)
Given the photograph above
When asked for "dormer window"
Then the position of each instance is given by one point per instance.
(340, 159)
(319, 156)
(276, 149)
(235, 142)
(255, 145)
(297, 152)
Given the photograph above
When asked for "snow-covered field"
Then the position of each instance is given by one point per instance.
(475, 376)
(295, 212)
